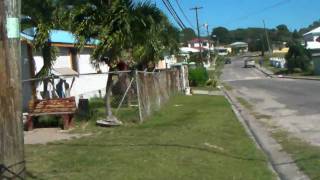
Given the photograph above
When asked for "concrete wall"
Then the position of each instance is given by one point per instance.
(316, 63)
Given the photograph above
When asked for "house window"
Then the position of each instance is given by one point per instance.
(204, 44)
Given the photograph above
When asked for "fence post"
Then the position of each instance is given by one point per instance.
(138, 96)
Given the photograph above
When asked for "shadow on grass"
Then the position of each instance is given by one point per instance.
(164, 146)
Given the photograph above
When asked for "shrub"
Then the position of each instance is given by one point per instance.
(198, 76)
(298, 57)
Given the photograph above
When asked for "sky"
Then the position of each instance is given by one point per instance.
(234, 14)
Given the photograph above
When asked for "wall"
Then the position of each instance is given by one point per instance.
(316, 63)
(86, 85)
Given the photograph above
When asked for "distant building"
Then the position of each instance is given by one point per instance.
(239, 47)
(312, 43)
(206, 44)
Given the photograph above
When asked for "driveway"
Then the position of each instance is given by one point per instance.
(292, 105)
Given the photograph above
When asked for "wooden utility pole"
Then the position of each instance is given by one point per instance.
(11, 127)
(267, 36)
(198, 29)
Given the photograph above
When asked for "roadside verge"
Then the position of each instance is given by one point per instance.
(280, 161)
(270, 74)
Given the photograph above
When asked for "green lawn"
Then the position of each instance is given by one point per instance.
(196, 137)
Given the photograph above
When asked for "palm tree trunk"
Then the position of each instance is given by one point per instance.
(108, 96)
(110, 119)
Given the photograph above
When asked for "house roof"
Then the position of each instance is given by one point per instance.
(313, 32)
(56, 36)
(239, 44)
(196, 40)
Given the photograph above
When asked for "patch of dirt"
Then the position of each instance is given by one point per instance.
(46, 135)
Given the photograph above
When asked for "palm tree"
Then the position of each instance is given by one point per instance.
(142, 30)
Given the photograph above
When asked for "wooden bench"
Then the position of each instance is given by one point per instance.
(65, 107)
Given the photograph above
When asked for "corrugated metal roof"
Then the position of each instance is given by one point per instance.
(56, 36)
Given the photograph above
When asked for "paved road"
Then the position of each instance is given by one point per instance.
(294, 105)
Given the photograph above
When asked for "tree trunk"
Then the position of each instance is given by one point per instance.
(110, 118)
(11, 127)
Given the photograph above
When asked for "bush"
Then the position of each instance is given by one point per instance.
(198, 76)
(298, 57)
(212, 83)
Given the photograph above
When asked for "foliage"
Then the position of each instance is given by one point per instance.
(43, 16)
(198, 76)
(222, 35)
(187, 35)
(298, 57)
(312, 26)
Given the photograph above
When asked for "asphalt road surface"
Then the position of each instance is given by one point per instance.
(293, 105)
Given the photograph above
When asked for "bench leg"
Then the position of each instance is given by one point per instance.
(29, 123)
(66, 119)
(71, 121)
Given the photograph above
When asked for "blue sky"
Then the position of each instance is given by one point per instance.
(249, 13)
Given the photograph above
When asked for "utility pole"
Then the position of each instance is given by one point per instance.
(267, 36)
(12, 164)
(198, 28)
(207, 28)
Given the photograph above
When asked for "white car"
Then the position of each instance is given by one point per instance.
(249, 63)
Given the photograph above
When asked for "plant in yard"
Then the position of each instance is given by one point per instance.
(298, 57)
(198, 76)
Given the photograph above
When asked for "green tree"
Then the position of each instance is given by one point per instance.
(187, 35)
(42, 16)
(222, 35)
(283, 33)
(141, 30)
(298, 57)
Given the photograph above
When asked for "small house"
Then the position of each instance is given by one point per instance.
(72, 69)
(312, 43)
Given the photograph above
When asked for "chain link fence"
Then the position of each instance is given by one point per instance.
(135, 95)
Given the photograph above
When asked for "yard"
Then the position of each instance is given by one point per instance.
(196, 137)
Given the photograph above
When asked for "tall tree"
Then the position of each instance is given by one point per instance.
(120, 25)
(222, 35)
(187, 35)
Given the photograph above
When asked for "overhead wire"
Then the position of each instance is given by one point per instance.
(174, 14)
(184, 15)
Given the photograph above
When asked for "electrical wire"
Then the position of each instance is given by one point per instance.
(174, 14)
(185, 16)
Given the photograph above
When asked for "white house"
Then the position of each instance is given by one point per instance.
(202, 43)
(72, 67)
(312, 43)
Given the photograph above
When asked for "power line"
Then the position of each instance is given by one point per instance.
(185, 16)
(174, 14)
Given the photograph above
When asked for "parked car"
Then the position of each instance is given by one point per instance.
(227, 61)
(249, 63)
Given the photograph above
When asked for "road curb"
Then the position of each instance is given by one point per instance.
(286, 77)
(278, 161)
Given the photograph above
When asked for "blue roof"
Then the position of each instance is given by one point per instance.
(56, 36)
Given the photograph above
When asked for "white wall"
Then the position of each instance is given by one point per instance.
(87, 86)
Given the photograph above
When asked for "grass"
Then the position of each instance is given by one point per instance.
(306, 156)
(196, 137)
